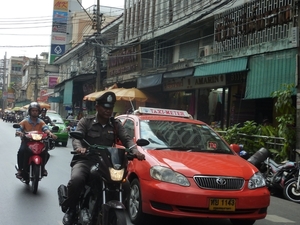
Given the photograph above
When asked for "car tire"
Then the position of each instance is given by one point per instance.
(64, 144)
(242, 221)
(135, 203)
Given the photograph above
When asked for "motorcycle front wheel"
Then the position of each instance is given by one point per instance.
(35, 178)
(290, 191)
(116, 217)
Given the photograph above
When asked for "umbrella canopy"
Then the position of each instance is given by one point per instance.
(131, 94)
(18, 109)
(93, 96)
(127, 94)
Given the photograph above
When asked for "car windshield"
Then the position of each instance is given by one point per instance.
(172, 135)
(55, 118)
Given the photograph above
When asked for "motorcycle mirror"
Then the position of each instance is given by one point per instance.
(16, 125)
(142, 142)
(77, 135)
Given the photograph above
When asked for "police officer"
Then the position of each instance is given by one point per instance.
(100, 129)
(46, 118)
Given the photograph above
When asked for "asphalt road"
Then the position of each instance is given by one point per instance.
(19, 206)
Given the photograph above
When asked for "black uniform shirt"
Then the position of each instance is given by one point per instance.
(46, 119)
(96, 133)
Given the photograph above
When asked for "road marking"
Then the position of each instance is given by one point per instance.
(278, 219)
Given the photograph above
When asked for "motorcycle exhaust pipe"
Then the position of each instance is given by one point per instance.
(62, 192)
(260, 156)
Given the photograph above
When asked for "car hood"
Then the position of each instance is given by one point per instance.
(197, 163)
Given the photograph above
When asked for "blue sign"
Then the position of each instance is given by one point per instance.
(60, 17)
(57, 49)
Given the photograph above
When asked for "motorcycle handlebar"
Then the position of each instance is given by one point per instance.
(130, 155)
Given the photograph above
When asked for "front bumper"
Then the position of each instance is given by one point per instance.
(164, 199)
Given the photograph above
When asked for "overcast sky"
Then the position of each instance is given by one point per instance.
(26, 23)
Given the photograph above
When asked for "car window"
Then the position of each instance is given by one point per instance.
(181, 136)
(56, 118)
(129, 126)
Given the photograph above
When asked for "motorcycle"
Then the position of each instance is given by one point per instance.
(276, 175)
(291, 190)
(38, 142)
(101, 201)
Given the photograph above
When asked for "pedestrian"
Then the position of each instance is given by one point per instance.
(100, 129)
(70, 117)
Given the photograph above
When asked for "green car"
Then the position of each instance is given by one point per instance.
(62, 134)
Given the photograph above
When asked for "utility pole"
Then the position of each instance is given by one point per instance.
(36, 78)
(98, 51)
(4, 88)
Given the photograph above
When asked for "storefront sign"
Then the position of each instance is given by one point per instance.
(235, 78)
(126, 60)
(194, 82)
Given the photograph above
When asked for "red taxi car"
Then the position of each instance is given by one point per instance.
(190, 171)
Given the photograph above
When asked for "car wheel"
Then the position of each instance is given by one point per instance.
(64, 144)
(135, 203)
(242, 221)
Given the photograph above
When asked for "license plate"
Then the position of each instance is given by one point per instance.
(222, 204)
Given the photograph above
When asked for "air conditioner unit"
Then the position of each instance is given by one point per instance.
(205, 50)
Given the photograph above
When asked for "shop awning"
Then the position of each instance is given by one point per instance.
(222, 67)
(149, 81)
(68, 93)
(179, 73)
(268, 72)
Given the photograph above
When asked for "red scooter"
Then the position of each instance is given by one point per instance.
(38, 143)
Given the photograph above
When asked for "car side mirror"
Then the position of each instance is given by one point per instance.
(236, 148)
(55, 129)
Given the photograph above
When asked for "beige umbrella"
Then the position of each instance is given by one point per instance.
(127, 94)
(93, 96)
(131, 94)
(18, 109)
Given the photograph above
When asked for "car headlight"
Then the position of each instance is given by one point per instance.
(256, 181)
(65, 130)
(167, 175)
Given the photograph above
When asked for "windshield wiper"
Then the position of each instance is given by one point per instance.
(219, 151)
(176, 148)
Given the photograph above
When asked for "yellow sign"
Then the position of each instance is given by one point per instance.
(61, 5)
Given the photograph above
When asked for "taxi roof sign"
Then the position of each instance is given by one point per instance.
(163, 112)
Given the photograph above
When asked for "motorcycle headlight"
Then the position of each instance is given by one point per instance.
(116, 175)
(256, 181)
(167, 175)
(36, 137)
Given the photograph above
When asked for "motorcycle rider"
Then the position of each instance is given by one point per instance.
(31, 123)
(101, 129)
(46, 118)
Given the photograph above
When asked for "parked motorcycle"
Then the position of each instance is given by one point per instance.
(101, 201)
(291, 189)
(276, 175)
(38, 142)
